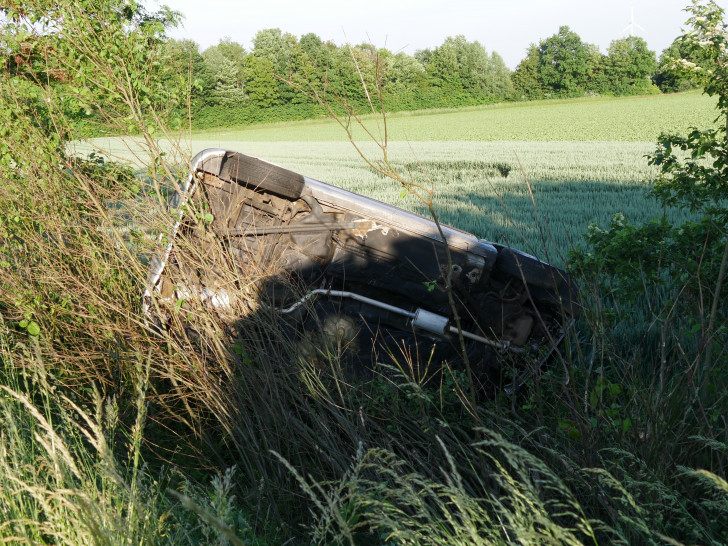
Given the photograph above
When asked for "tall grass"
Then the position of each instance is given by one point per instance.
(73, 472)
(61, 481)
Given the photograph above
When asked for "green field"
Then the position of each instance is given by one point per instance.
(631, 119)
(584, 160)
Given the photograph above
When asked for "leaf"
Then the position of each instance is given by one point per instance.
(208, 218)
(626, 424)
(33, 328)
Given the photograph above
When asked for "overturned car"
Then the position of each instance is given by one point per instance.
(383, 283)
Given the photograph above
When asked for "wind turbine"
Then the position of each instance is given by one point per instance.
(629, 29)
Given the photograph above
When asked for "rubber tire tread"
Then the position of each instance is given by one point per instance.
(258, 174)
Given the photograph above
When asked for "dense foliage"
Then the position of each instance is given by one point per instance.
(565, 66)
(232, 86)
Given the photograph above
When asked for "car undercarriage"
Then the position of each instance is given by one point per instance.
(379, 282)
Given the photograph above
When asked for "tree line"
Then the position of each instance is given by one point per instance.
(232, 85)
(565, 66)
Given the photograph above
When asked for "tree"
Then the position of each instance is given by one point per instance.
(442, 67)
(526, 81)
(466, 70)
(235, 53)
(471, 63)
(188, 63)
(261, 82)
(598, 81)
(223, 73)
(564, 63)
(667, 79)
(270, 43)
(497, 78)
(348, 67)
(314, 47)
(63, 72)
(280, 51)
(403, 74)
(313, 63)
(227, 90)
(630, 65)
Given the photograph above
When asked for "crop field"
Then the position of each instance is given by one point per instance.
(581, 160)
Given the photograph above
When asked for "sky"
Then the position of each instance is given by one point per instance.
(504, 26)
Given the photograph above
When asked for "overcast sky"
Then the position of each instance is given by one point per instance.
(504, 26)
